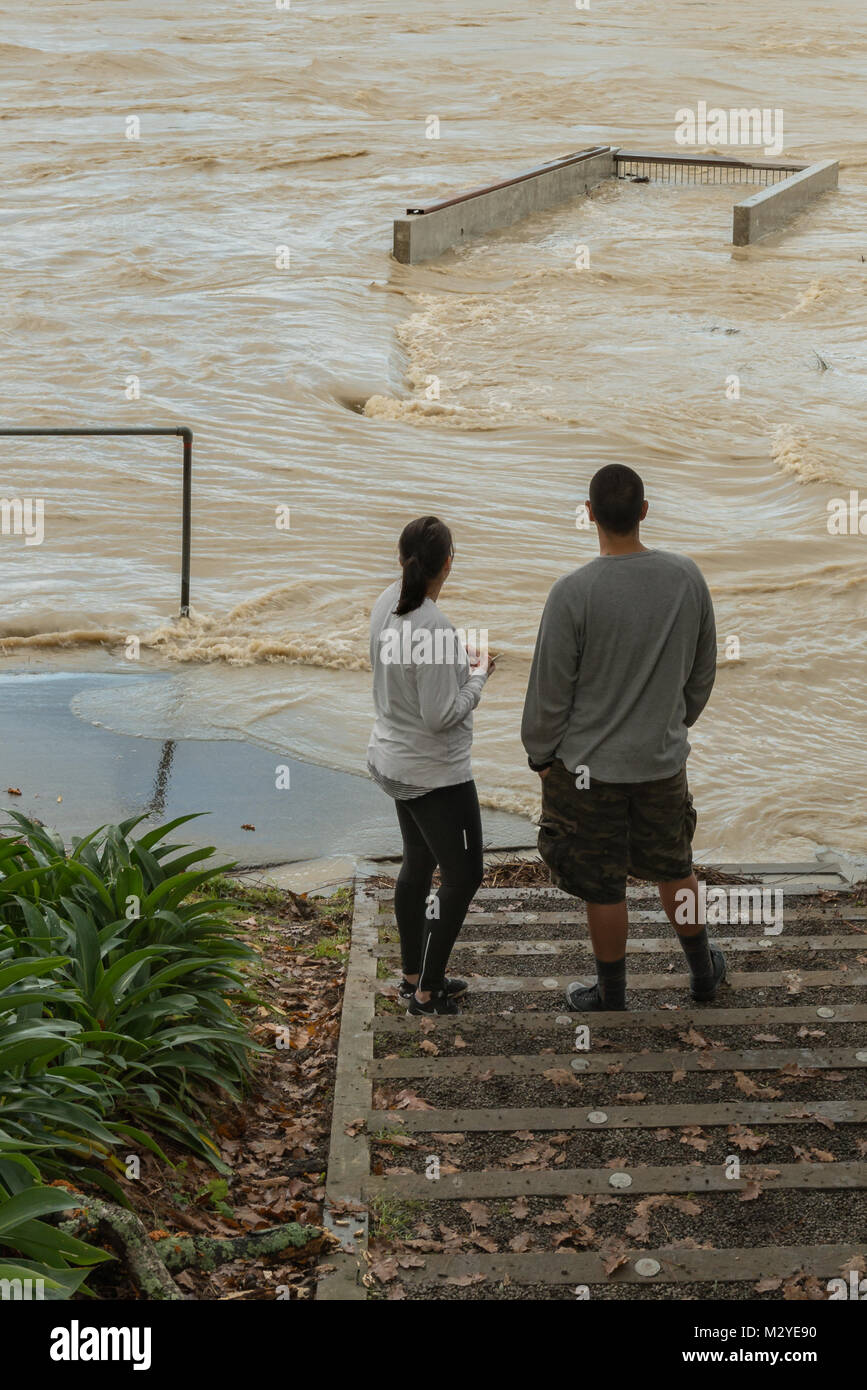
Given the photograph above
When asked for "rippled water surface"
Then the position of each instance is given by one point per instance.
(309, 386)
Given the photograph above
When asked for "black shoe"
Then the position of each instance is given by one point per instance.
(439, 1003)
(455, 989)
(703, 988)
(588, 1000)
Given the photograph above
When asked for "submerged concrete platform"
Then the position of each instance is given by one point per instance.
(772, 208)
(427, 231)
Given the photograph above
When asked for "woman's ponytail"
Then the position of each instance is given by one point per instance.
(424, 547)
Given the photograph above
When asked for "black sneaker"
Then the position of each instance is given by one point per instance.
(703, 988)
(455, 989)
(587, 999)
(439, 1003)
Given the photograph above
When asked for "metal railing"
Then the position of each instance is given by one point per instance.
(187, 436)
(701, 169)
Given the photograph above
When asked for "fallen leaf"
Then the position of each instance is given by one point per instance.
(639, 1229)
(613, 1253)
(692, 1135)
(552, 1217)
(744, 1138)
(793, 1069)
(767, 1284)
(579, 1206)
(521, 1243)
(408, 1100)
(517, 1160)
(477, 1212)
(749, 1087)
(398, 1141)
(805, 1114)
(802, 1286)
(582, 1236)
(485, 1243)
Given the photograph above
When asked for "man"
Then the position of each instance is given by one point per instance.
(624, 664)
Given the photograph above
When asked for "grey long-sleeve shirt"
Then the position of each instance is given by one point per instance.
(424, 694)
(624, 664)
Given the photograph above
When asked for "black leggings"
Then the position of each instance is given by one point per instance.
(443, 828)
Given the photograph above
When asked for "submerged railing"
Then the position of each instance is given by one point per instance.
(187, 484)
(672, 168)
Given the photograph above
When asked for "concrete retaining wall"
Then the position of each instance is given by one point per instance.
(776, 205)
(424, 235)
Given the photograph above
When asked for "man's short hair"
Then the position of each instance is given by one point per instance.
(616, 496)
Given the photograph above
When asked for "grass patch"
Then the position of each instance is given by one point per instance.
(326, 949)
(395, 1218)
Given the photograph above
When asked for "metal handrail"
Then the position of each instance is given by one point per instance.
(187, 436)
(791, 166)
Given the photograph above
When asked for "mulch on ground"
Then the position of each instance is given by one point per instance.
(275, 1142)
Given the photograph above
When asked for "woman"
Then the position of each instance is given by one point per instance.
(425, 688)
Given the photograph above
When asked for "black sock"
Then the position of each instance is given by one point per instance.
(696, 948)
(611, 980)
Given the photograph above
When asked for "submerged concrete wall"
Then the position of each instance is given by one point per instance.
(776, 205)
(422, 235)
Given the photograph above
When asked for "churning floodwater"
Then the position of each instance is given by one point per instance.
(144, 283)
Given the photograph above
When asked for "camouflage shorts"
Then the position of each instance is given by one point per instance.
(593, 837)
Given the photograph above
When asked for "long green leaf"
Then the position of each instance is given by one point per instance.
(36, 1201)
